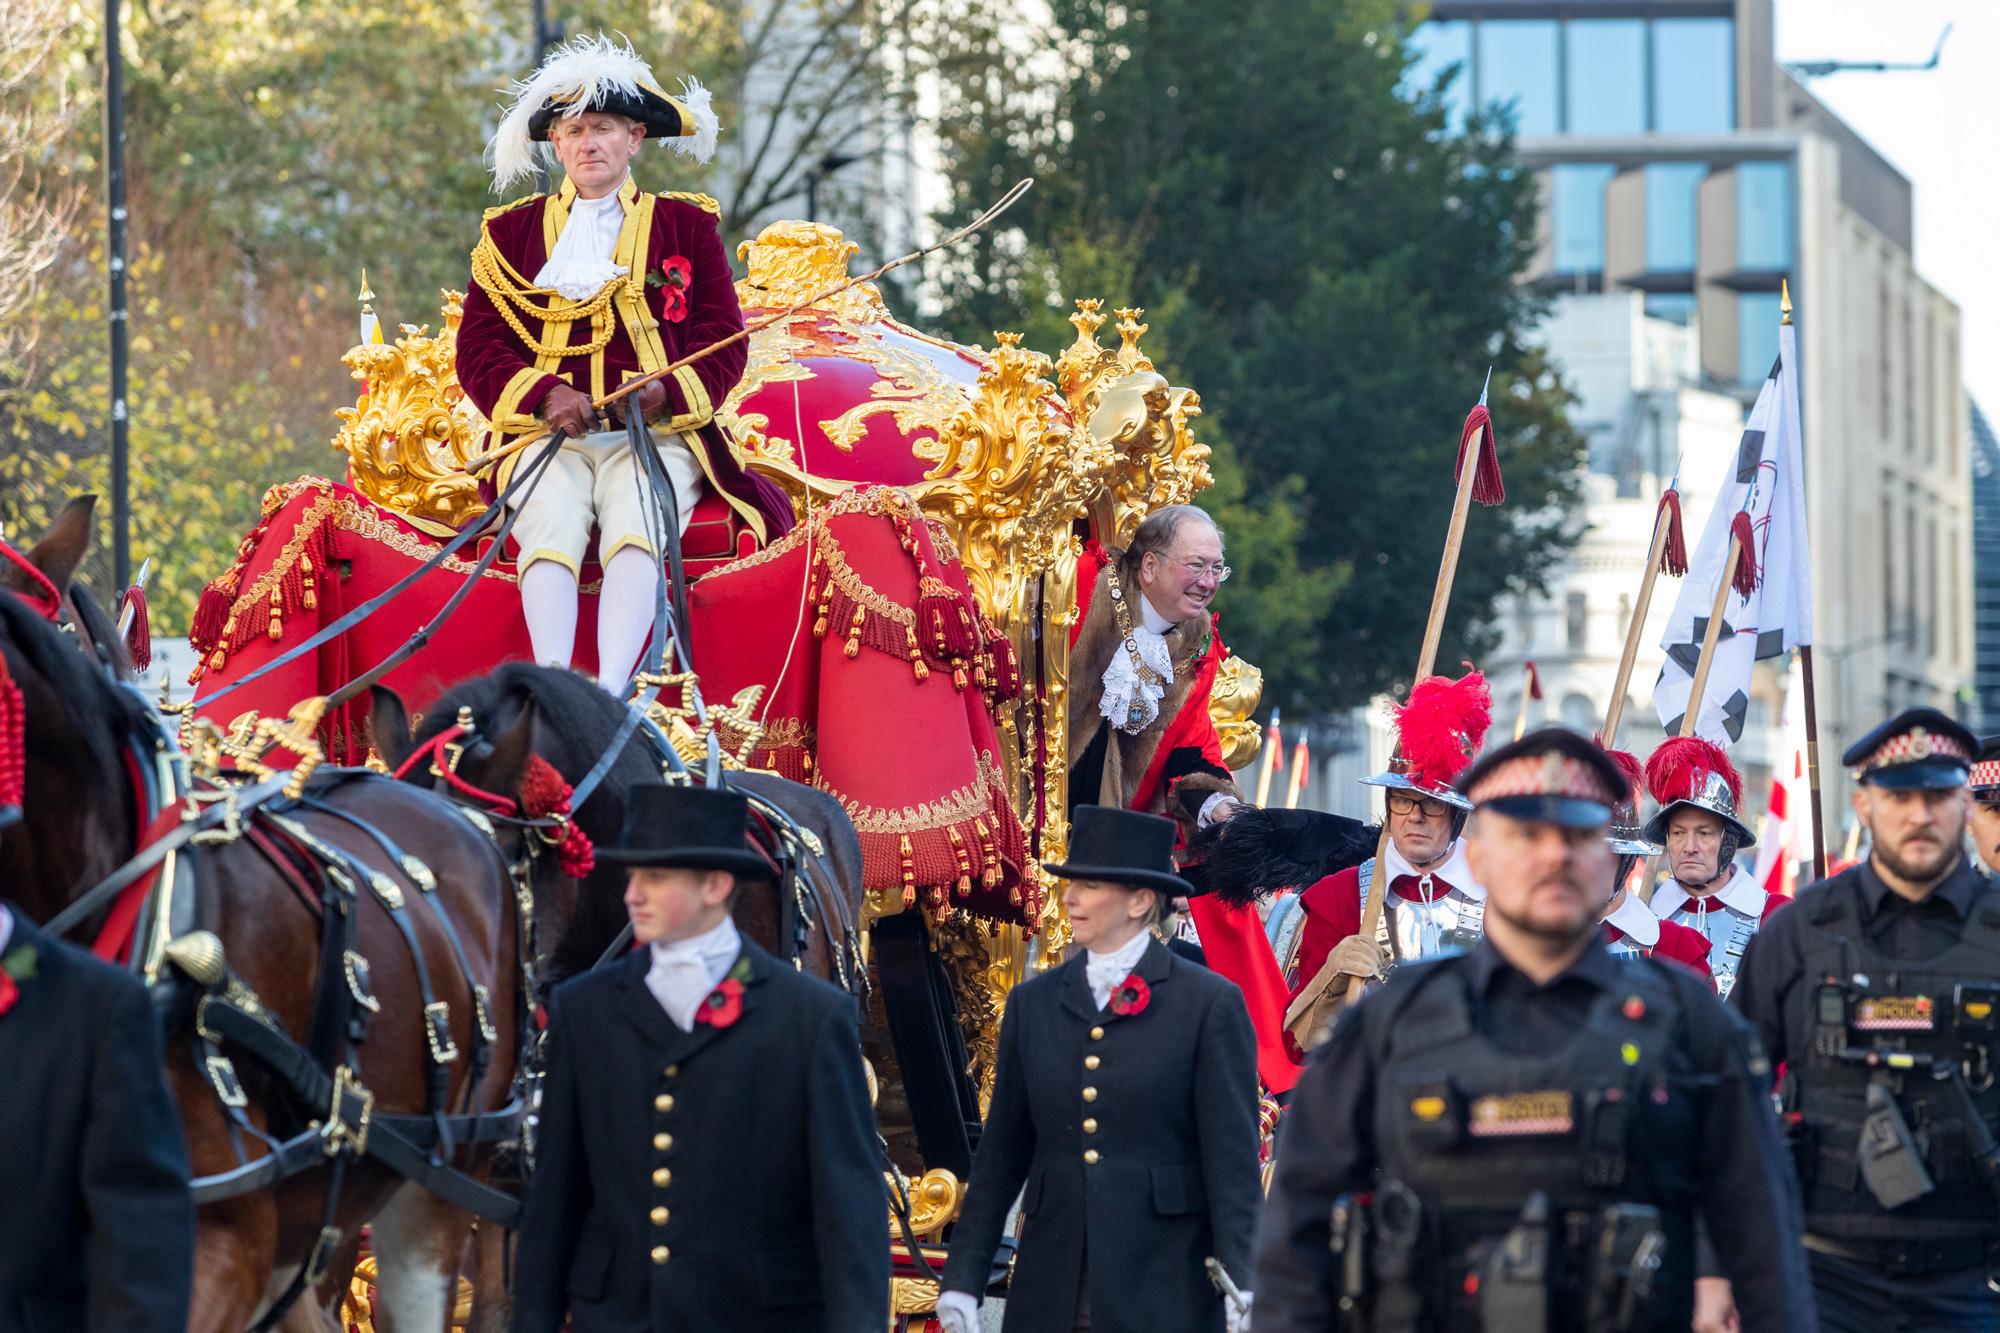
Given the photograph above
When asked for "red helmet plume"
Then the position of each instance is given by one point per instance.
(1680, 767)
(1442, 727)
(1634, 772)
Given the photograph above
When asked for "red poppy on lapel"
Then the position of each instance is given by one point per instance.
(1132, 996)
(676, 274)
(723, 1005)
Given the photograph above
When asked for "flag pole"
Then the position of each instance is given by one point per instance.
(1274, 745)
(1461, 505)
(1527, 689)
(1806, 680)
(1635, 628)
(1712, 637)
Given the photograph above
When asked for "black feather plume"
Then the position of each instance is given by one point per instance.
(1260, 852)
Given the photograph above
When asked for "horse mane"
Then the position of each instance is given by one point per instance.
(104, 712)
(575, 721)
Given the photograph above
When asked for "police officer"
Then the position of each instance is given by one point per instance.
(1879, 989)
(1985, 786)
(1521, 1137)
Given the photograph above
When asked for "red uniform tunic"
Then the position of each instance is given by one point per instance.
(1676, 943)
(678, 296)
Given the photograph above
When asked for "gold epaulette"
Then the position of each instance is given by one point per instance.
(702, 201)
(492, 213)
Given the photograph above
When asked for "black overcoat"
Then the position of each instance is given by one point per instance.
(720, 1179)
(96, 1218)
(1172, 1094)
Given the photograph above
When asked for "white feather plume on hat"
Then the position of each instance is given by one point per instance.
(580, 73)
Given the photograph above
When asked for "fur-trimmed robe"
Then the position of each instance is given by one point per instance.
(1193, 770)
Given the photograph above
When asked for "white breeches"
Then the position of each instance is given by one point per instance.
(597, 479)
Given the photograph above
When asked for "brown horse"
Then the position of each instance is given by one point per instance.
(81, 820)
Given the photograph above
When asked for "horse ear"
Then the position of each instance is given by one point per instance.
(508, 763)
(60, 550)
(389, 726)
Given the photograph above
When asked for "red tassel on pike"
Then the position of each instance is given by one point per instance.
(1747, 573)
(139, 637)
(1487, 488)
(1674, 560)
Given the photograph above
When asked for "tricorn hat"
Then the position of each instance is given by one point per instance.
(1919, 747)
(1437, 733)
(1122, 847)
(1551, 775)
(693, 828)
(598, 74)
(1687, 770)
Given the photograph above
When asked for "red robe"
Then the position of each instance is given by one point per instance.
(507, 379)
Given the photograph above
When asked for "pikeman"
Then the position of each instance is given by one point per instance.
(1434, 902)
(1630, 928)
(1698, 791)
(575, 293)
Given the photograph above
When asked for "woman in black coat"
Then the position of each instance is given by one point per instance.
(1125, 1100)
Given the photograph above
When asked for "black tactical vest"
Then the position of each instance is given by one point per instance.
(1473, 1132)
(1900, 1024)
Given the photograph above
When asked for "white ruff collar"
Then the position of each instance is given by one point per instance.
(1739, 894)
(1456, 870)
(1124, 686)
(1636, 920)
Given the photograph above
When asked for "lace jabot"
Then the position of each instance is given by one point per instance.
(1131, 700)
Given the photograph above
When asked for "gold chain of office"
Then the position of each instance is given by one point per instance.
(510, 291)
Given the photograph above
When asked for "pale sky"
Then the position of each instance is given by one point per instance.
(1940, 127)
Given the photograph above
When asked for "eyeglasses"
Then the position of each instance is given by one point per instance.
(1200, 571)
(1402, 803)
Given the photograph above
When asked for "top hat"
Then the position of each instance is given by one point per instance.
(1919, 747)
(1551, 776)
(1437, 733)
(1122, 847)
(1686, 770)
(693, 828)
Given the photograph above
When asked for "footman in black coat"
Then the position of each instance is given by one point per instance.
(1132, 1123)
(722, 1175)
(96, 1218)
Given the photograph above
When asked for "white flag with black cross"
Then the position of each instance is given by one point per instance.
(1769, 609)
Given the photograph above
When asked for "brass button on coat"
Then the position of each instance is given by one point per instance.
(1090, 1126)
(672, 1071)
(1090, 1062)
(663, 1102)
(1090, 1094)
(662, 1177)
(660, 1253)
(1090, 1157)
(662, 1142)
(659, 1217)
(1097, 1034)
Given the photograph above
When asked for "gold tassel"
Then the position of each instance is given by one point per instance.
(277, 617)
(853, 648)
(909, 873)
(991, 858)
(311, 600)
(917, 666)
(958, 676)
(964, 862)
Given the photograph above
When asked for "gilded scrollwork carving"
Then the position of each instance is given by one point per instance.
(1231, 701)
(413, 427)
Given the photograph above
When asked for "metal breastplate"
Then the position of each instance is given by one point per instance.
(1725, 944)
(1450, 923)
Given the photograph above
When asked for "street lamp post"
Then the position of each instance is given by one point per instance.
(827, 165)
(114, 189)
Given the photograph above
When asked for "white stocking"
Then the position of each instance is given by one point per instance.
(548, 602)
(625, 615)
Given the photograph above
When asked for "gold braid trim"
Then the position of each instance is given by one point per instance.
(510, 291)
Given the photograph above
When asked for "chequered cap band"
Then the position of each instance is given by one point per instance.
(1986, 773)
(1551, 773)
(1914, 745)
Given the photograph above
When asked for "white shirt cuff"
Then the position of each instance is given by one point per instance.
(1206, 815)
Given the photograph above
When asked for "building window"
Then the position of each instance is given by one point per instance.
(1673, 307)
(1694, 76)
(1517, 68)
(1577, 622)
(1757, 318)
(1604, 76)
(1884, 371)
(1764, 217)
(1440, 47)
(1579, 714)
(1671, 190)
(1577, 215)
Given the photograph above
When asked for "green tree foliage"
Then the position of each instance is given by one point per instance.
(1324, 262)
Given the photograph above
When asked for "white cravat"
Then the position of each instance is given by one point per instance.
(684, 972)
(581, 262)
(1122, 682)
(1105, 970)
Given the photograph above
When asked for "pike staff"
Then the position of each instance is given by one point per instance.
(1478, 479)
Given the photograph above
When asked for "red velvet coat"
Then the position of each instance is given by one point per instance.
(655, 323)
(1678, 943)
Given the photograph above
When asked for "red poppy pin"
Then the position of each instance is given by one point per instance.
(723, 1005)
(1132, 996)
(673, 279)
(16, 966)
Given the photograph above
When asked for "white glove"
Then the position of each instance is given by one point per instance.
(1237, 1317)
(1359, 956)
(958, 1311)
